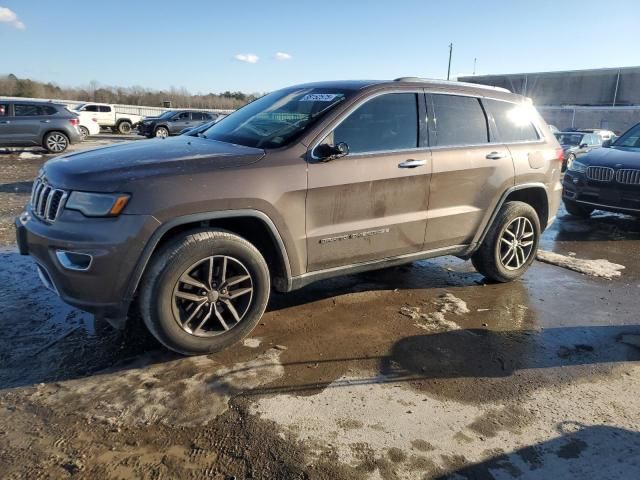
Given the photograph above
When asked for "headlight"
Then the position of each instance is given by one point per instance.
(97, 204)
(577, 167)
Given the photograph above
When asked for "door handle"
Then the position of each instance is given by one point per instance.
(45, 121)
(495, 156)
(412, 163)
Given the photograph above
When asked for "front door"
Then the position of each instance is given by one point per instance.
(469, 170)
(179, 122)
(371, 203)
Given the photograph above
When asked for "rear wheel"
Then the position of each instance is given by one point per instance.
(578, 210)
(204, 291)
(55, 142)
(161, 132)
(124, 127)
(511, 243)
(84, 132)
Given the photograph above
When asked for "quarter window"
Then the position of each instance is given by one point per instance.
(387, 122)
(459, 121)
(514, 121)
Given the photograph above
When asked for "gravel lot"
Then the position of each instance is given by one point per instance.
(423, 371)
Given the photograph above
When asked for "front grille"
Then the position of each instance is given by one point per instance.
(628, 176)
(46, 201)
(600, 174)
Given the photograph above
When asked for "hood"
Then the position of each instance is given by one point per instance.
(614, 157)
(110, 169)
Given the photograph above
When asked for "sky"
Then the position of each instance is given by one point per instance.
(259, 46)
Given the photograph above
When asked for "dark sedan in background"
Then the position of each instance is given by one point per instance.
(575, 144)
(606, 179)
(173, 122)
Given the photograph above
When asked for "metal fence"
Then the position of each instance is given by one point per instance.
(144, 111)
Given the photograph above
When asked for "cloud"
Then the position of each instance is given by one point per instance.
(247, 57)
(282, 56)
(10, 17)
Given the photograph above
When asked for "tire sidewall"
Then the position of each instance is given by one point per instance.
(167, 329)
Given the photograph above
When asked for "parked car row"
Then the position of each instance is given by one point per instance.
(53, 126)
(606, 178)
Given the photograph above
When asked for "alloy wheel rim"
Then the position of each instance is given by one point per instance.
(516, 243)
(161, 133)
(56, 143)
(212, 296)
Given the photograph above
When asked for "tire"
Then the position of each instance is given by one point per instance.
(55, 142)
(173, 319)
(84, 132)
(577, 210)
(124, 127)
(161, 132)
(492, 258)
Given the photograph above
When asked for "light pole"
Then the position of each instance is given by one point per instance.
(450, 54)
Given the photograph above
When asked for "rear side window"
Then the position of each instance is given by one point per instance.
(27, 110)
(384, 123)
(104, 108)
(196, 116)
(459, 121)
(514, 122)
(49, 110)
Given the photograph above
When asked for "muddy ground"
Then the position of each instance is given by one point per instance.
(423, 371)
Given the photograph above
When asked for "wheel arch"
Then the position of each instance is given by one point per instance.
(253, 225)
(534, 194)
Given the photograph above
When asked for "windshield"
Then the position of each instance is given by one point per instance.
(569, 138)
(166, 114)
(631, 139)
(277, 118)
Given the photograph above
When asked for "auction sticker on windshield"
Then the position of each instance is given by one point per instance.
(319, 97)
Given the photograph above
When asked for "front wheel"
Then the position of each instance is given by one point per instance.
(204, 291)
(161, 132)
(577, 210)
(511, 243)
(56, 142)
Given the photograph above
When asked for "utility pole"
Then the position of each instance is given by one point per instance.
(475, 62)
(450, 53)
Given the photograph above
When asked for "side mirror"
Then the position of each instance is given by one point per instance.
(606, 144)
(583, 145)
(326, 152)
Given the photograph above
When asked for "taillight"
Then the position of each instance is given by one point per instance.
(74, 121)
(560, 154)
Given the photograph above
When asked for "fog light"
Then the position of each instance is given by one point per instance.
(74, 261)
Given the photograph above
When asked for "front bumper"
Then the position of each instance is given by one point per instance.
(608, 196)
(114, 244)
(145, 130)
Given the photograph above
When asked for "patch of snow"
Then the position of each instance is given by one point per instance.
(596, 268)
(445, 304)
(252, 342)
(29, 155)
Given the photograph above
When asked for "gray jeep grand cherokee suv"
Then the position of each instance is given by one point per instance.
(306, 183)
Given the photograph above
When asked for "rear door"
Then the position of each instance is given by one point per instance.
(469, 170)
(106, 115)
(371, 203)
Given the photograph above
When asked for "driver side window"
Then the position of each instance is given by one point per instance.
(385, 123)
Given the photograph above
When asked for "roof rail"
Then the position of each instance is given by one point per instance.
(450, 82)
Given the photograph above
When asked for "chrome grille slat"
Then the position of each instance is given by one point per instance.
(600, 174)
(47, 202)
(628, 176)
